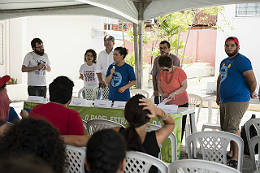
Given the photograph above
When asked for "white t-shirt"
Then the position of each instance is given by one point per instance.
(103, 62)
(89, 74)
(36, 77)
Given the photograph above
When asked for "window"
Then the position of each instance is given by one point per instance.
(108, 26)
(248, 9)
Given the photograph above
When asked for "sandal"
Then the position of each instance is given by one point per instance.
(228, 157)
(232, 163)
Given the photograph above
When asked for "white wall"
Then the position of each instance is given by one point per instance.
(246, 29)
(65, 38)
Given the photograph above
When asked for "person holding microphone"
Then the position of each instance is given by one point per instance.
(120, 75)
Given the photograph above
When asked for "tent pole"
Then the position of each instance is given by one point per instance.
(140, 34)
(135, 30)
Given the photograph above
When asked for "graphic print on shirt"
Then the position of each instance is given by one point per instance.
(39, 72)
(224, 72)
(116, 80)
(89, 76)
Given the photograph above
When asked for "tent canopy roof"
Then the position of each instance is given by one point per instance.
(126, 10)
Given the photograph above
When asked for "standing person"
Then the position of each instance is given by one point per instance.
(66, 120)
(165, 48)
(235, 85)
(105, 58)
(172, 85)
(88, 69)
(121, 76)
(36, 63)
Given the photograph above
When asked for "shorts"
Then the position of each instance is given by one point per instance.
(231, 114)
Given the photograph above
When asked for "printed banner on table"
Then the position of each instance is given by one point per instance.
(117, 115)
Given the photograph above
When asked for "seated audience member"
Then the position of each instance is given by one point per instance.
(24, 164)
(139, 111)
(66, 120)
(4, 100)
(106, 152)
(34, 137)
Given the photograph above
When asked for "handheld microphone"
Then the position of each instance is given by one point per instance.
(114, 64)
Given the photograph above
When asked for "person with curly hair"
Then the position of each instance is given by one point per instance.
(35, 137)
(106, 152)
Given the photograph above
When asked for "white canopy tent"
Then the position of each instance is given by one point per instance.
(134, 11)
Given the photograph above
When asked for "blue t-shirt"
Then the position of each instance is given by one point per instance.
(233, 85)
(122, 76)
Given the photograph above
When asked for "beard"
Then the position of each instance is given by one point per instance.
(41, 52)
(233, 53)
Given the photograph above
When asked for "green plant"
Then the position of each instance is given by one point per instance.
(12, 81)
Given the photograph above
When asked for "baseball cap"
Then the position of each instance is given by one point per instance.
(4, 79)
(232, 39)
(109, 38)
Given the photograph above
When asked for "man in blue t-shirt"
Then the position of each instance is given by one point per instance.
(235, 85)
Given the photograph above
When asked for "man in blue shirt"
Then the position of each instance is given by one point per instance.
(235, 85)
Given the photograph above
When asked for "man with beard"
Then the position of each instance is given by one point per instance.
(235, 85)
(165, 48)
(36, 63)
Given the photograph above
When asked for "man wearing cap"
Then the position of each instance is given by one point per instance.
(105, 58)
(36, 63)
(165, 48)
(235, 85)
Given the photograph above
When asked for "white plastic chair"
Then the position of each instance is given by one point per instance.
(199, 166)
(255, 122)
(214, 145)
(254, 157)
(104, 92)
(89, 93)
(210, 124)
(75, 158)
(84, 124)
(99, 124)
(139, 91)
(173, 139)
(141, 163)
(194, 101)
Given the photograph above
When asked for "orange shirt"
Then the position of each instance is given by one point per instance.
(171, 82)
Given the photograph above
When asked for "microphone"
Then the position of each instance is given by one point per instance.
(114, 64)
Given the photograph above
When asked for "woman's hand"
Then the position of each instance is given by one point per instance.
(165, 95)
(171, 96)
(148, 105)
(122, 89)
(112, 71)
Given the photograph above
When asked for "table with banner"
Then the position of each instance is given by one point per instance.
(117, 115)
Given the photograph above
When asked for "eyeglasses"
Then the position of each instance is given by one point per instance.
(166, 70)
(40, 47)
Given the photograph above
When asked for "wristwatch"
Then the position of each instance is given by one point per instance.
(175, 93)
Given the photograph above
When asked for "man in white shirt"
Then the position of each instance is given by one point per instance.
(105, 58)
(36, 63)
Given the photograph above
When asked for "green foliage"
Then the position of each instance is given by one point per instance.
(146, 35)
(130, 59)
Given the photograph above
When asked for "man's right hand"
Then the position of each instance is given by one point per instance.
(217, 100)
(42, 66)
(102, 84)
(155, 93)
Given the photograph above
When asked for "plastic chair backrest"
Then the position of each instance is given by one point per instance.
(196, 166)
(89, 92)
(85, 124)
(104, 92)
(141, 163)
(194, 101)
(256, 124)
(214, 146)
(99, 124)
(75, 158)
(255, 158)
(173, 139)
(139, 91)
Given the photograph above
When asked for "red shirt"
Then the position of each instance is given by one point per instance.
(171, 83)
(65, 120)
